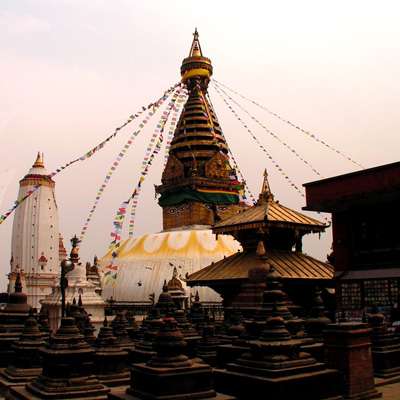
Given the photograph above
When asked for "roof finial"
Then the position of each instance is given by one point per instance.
(39, 161)
(265, 194)
(195, 49)
(261, 252)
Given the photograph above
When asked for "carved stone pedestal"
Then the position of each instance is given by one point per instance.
(348, 349)
(385, 348)
(275, 366)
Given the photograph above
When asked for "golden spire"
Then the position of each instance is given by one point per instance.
(39, 161)
(265, 194)
(195, 50)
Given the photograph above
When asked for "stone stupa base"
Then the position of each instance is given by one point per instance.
(121, 380)
(90, 389)
(315, 385)
(17, 377)
(192, 382)
(386, 361)
(123, 395)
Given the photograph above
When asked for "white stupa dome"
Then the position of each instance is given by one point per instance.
(146, 261)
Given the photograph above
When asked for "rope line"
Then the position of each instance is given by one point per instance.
(121, 213)
(292, 124)
(235, 163)
(274, 135)
(120, 156)
(275, 164)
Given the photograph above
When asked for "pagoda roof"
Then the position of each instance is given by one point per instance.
(267, 210)
(288, 264)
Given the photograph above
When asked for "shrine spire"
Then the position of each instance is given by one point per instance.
(265, 194)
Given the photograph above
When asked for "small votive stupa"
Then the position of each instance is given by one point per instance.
(68, 370)
(26, 364)
(12, 321)
(77, 286)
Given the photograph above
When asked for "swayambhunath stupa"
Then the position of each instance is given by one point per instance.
(204, 288)
(199, 187)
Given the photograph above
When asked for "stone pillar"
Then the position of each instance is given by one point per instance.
(348, 349)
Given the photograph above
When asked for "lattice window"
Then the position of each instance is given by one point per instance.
(376, 292)
(394, 290)
(350, 295)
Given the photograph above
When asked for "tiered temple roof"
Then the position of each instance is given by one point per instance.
(280, 229)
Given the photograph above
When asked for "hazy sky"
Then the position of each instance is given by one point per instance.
(71, 71)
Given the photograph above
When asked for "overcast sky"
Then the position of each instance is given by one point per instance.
(71, 71)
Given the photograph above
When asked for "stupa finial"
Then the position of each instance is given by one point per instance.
(195, 49)
(195, 67)
(39, 161)
(261, 252)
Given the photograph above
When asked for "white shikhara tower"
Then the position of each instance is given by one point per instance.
(35, 235)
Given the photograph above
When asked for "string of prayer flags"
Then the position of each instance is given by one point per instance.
(274, 163)
(17, 202)
(275, 136)
(121, 154)
(121, 213)
(293, 125)
(90, 153)
(110, 272)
